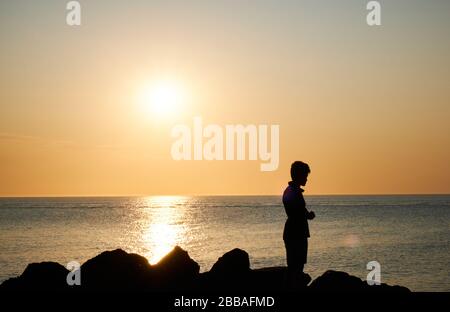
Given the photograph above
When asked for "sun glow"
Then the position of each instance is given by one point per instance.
(163, 237)
(164, 230)
(162, 98)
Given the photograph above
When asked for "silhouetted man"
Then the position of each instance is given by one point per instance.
(296, 229)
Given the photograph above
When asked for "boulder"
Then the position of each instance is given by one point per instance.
(335, 281)
(277, 279)
(44, 276)
(176, 270)
(234, 262)
(230, 272)
(116, 270)
(269, 279)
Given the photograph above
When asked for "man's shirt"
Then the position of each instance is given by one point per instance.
(296, 226)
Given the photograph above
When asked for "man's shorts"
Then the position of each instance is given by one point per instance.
(296, 252)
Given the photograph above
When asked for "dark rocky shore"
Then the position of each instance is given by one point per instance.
(118, 270)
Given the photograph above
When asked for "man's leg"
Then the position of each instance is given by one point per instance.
(294, 264)
(303, 255)
(297, 254)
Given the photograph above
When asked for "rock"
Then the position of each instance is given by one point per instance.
(335, 281)
(176, 269)
(277, 279)
(116, 270)
(230, 272)
(234, 262)
(44, 276)
(269, 279)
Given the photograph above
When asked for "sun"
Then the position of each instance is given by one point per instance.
(161, 98)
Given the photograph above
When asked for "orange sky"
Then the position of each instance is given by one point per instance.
(366, 107)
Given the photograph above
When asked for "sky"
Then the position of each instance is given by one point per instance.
(367, 107)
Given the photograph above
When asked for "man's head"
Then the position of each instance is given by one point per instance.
(299, 172)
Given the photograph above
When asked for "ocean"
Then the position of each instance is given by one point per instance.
(408, 235)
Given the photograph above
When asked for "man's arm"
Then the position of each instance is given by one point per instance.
(310, 214)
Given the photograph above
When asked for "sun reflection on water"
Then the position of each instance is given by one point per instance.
(164, 229)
